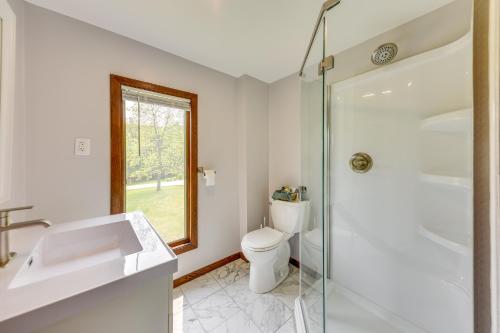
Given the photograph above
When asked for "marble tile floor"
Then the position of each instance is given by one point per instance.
(221, 302)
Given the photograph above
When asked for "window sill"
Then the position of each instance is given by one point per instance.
(182, 248)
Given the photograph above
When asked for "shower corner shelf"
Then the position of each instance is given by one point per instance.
(452, 241)
(459, 121)
(460, 182)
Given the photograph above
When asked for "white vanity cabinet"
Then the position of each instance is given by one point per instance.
(144, 306)
(108, 274)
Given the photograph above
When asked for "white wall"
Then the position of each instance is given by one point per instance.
(253, 144)
(312, 168)
(18, 189)
(247, 128)
(284, 133)
(67, 79)
(285, 138)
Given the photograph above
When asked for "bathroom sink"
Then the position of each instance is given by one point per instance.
(72, 259)
(63, 252)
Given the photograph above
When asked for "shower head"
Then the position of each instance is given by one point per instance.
(384, 54)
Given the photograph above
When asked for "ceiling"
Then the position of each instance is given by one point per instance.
(266, 39)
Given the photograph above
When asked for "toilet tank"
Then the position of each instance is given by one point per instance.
(289, 217)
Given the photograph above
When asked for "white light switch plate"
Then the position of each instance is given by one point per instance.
(82, 147)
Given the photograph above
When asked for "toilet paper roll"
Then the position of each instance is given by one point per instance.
(209, 176)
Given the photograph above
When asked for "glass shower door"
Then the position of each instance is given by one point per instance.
(400, 175)
(310, 305)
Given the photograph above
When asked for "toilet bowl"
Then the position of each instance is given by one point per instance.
(268, 252)
(267, 249)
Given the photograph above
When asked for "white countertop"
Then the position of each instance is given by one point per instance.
(16, 301)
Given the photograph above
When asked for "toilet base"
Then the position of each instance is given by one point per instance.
(268, 269)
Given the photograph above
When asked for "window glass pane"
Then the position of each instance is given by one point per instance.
(155, 166)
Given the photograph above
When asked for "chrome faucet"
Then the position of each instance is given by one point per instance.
(5, 226)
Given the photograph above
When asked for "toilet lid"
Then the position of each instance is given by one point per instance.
(261, 239)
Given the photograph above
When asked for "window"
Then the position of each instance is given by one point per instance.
(154, 157)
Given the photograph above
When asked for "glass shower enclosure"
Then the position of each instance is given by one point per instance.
(387, 161)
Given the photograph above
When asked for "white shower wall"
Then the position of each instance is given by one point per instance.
(402, 233)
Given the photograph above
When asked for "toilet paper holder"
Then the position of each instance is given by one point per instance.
(202, 170)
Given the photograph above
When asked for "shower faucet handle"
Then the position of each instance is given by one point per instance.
(361, 162)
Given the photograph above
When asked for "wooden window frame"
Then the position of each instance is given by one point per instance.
(118, 172)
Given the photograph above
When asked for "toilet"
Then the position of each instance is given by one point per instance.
(268, 250)
(312, 250)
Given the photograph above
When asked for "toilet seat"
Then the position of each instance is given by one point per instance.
(262, 240)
